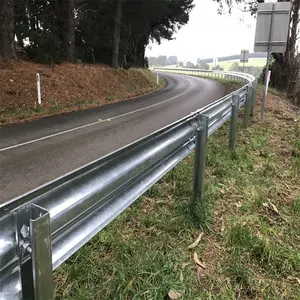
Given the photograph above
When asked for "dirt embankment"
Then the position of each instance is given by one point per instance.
(64, 88)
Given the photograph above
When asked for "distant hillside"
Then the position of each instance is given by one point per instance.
(234, 57)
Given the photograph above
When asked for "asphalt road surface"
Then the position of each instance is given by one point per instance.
(34, 153)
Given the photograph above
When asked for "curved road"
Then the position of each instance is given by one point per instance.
(34, 153)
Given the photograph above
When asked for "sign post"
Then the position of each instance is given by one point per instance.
(271, 34)
(244, 58)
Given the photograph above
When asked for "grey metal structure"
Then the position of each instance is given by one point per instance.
(272, 27)
(271, 34)
(244, 58)
(43, 228)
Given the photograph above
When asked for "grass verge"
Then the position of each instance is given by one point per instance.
(250, 248)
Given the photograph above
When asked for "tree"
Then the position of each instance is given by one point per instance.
(190, 65)
(116, 37)
(202, 65)
(172, 60)
(234, 66)
(68, 21)
(161, 60)
(286, 66)
(7, 48)
(113, 32)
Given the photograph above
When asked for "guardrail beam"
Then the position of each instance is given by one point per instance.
(28, 254)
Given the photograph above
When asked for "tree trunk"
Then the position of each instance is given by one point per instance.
(294, 62)
(7, 48)
(116, 37)
(285, 67)
(69, 30)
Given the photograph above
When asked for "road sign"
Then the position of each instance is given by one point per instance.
(272, 27)
(271, 34)
(244, 56)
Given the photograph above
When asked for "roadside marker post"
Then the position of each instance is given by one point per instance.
(38, 83)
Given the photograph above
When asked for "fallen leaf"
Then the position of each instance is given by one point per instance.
(222, 191)
(173, 295)
(199, 275)
(238, 204)
(217, 246)
(185, 265)
(274, 208)
(181, 276)
(197, 241)
(294, 278)
(222, 226)
(198, 262)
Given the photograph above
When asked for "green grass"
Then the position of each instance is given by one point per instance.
(253, 62)
(249, 216)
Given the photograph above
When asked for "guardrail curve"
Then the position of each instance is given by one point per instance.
(43, 228)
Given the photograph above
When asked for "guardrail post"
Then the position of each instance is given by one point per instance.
(234, 121)
(253, 98)
(200, 157)
(35, 253)
(247, 106)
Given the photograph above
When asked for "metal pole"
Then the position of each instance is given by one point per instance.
(234, 120)
(253, 98)
(247, 106)
(200, 157)
(41, 254)
(267, 68)
(34, 248)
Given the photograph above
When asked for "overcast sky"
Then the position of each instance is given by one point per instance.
(208, 34)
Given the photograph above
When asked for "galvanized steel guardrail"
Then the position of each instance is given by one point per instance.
(43, 228)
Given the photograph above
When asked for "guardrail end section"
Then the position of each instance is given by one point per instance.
(35, 252)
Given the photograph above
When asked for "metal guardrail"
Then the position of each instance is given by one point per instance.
(43, 228)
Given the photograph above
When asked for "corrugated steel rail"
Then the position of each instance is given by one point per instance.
(43, 228)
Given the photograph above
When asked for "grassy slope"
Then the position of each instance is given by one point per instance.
(250, 219)
(254, 62)
(65, 88)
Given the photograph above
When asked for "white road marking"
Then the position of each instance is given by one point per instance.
(95, 123)
(144, 108)
(48, 136)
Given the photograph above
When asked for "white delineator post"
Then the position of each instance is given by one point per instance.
(268, 81)
(157, 79)
(38, 84)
